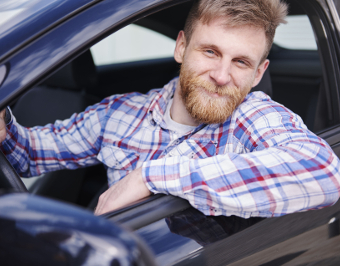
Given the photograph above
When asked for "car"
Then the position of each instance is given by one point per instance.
(47, 72)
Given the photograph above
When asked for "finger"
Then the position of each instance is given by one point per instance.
(105, 201)
(113, 198)
(101, 202)
(2, 126)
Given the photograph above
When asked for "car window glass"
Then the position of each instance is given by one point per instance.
(295, 69)
(132, 43)
(3, 72)
(297, 34)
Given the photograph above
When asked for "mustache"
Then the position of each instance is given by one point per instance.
(225, 90)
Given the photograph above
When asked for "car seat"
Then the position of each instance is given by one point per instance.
(66, 92)
(264, 85)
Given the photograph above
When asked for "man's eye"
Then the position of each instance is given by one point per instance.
(241, 63)
(210, 52)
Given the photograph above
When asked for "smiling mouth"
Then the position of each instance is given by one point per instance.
(212, 94)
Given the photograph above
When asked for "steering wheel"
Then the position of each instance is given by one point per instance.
(9, 178)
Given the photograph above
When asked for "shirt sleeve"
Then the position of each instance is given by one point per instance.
(286, 169)
(71, 143)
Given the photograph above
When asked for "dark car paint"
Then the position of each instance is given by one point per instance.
(34, 19)
(37, 231)
(39, 57)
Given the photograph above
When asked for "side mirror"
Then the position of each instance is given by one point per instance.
(39, 231)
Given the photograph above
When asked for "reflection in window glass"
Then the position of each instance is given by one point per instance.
(132, 43)
(296, 34)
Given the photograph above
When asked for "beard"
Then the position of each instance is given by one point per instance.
(197, 96)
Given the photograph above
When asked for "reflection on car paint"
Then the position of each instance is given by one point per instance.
(37, 231)
(3, 72)
(166, 246)
(186, 231)
(205, 230)
(40, 57)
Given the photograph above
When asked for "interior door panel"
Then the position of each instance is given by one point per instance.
(140, 76)
(297, 84)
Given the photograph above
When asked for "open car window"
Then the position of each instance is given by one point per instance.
(297, 34)
(132, 43)
(296, 73)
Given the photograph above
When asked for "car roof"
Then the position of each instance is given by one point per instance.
(24, 20)
(42, 30)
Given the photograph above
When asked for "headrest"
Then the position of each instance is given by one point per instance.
(265, 84)
(77, 75)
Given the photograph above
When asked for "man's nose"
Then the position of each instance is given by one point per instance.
(221, 73)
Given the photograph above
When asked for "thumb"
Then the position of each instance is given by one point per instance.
(2, 126)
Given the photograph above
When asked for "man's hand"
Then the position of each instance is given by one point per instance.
(130, 189)
(2, 125)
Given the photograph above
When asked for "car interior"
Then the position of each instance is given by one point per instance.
(294, 79)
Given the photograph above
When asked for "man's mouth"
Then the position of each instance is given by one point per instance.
(212, 94)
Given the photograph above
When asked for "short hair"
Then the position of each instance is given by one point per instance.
(265, 14)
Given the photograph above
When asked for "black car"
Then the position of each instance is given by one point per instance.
(47, 72)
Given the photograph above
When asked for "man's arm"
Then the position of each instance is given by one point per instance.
(235, 192)
(287, 169)
(128, 190)
(71, 143)
(280, 167)
(263, 186)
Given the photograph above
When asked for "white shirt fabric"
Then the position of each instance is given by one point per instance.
(174, 126)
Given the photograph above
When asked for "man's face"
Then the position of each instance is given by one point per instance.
(219, 67)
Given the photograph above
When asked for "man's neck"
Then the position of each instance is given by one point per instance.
(178, 112)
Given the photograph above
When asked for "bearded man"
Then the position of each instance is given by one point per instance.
(203, 137)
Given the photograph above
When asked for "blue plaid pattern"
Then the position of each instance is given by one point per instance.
(262, 161)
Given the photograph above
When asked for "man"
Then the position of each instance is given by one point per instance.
(202, 137)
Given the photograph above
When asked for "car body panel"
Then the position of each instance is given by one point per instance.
(41, 57)
(25, 20)
(36, 231)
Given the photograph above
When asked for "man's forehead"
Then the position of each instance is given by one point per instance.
(257, 33)
(222, 24)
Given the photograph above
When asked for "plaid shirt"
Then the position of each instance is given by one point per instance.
(262, 161)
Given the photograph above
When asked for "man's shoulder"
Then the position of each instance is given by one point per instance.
(258, 100)
(257, 96)
(258, 105)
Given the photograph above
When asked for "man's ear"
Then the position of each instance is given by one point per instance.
(260, 71)
(180, 47)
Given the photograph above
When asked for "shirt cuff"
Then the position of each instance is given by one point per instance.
(163, 176)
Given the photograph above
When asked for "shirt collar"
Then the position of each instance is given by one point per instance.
(158, 105)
